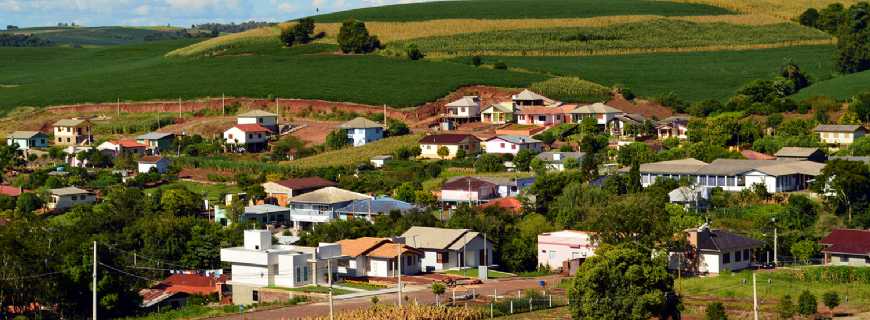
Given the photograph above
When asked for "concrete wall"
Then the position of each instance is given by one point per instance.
(236, 136)
(501, 146)
(66, 202)
(847, 260)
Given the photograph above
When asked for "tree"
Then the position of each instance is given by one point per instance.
(861, 147)
(413, 52)
(831, 17)
(860, 105)
(438, 289)
(353, 37)
(636, 152)
(180, 202)
(809, 18)
(406, 192)
(300, 33)
(807, 304)
(831, 300)
(795, 78)
(476, 61)
(634, 284)
(715, 311)
(397, 128)
(523, 159)
(336, 139)
(844, 184)
(27, 203)
(443, 152)
(804, 250)
(489, 163)
(639, 219)
(853, 39)
(786, 308)
(634, 184)
(460, 154)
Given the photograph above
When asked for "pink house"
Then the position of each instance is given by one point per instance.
(554, 248)
(545, 116)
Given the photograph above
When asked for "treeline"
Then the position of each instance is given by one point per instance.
(218, 28)
(23, 40)
(177, 34)
(851, 28)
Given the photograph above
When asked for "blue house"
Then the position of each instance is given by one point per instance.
(361, 131)
(27, 140)
(368, 208)
(157, 142)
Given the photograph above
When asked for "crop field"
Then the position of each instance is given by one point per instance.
(96, 36)
(630, 37)
(693, 75)
(785, 9)
(55, 76)
(572, 89)
(842, 87)
(259, 37)
(521, 9)
(350, 156)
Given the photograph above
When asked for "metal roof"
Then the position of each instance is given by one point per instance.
(380, 205)
(68, 191)
(505, 107)
(838, 127)
(516, 139)
(256, 113)
(796, 152)
(528, 95)
(24, 134)
(682, 166)
(69, 122)
(434, 238)
(596, 108)
(466, 101)
(329, 195)
(360, 123)
(265, 209)
(154, 136)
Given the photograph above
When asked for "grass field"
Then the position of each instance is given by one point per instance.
(53, 76)
(95, 36)
(693, 75)
(785, 9)
(473, 273)
(561, 313)
(353, 155)
(629, 37)
(842, 87)
(316, 289)
(516, 9)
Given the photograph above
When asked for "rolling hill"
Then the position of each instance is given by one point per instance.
(841, 88)
(98, 36)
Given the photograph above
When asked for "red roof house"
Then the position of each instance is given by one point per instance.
(177, 287)
(510, 204)
(848, 247)
(11, 191)
(252, 128)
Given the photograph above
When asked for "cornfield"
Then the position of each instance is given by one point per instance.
(572, 89)
(410, 312)
(784, 9)
(251, 37)
(650, 36)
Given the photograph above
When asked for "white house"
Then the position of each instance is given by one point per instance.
(380, 161)
(27, 140)
(499, 113)
(73, 132)
(247, 137)
(320, 206)
(512, 144)
(714, 251)
(65, 198)
(429, 145)
(468, 190)
(265, 119)
(674, 126)
(446, 249)
(602, 113)
(555, 248)
(376, 257)
(465, 109)
(157, 163)
(361, 131)
(840, 134)
(544, 116)
(556, 160)
(72, 156)
(122, 147)
(259, 264)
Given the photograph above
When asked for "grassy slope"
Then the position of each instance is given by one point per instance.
(52, 76)
(693, 76)
(95, 36)
(842, 87)
(349, 155)
(510, 9)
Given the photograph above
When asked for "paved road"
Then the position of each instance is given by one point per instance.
(420, 294)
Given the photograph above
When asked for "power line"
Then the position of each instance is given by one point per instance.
(125, 272)
(31, 276)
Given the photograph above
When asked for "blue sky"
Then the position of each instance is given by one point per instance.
(30, 13)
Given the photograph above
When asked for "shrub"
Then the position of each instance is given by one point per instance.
(353, 37)
(807, 304)
(476, 61)
(500, 66)
(413, 52)
(299, 33)
(715, 311)
(786, 308)
(831, 300)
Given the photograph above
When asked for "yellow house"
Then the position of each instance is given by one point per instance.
(73, 132)
(430, 145)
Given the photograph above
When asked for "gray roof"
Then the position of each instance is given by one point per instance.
(730, 167)
(360, 123)
(550, 157)
(785, 168)
(256, 113)
(516, 139)
(796, 152)
(596, 108)
(528, 95)
(329, 195)
(24, 134)
(631, 118)
(154, 136)
(720, 240)
(380, 205)
(838, 127)
(864, 159)
(265, 208)
(682, 166)
(383, 157)
(438, 238)
(68, 191)
(69, 122)
(466, 101)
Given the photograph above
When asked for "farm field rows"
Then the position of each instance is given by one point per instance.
(94, 36)
(647, 35)
(514, 9)
(785, 9)
(55, 76)
(843, 87)
(692, 75)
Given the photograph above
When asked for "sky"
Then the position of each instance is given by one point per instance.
(33, 13)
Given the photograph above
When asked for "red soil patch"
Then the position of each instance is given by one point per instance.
(314, 132)
(201, 175)
(646, 108)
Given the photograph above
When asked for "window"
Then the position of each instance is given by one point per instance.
(344, 263)
(305, 273)
(260, 120)
(746, 254)
(721, 181)
(737, 256)
(542, 118)
(741, 181)
(513, 146)
(844, 259)
(298, 274)
(255, 296)
(726, 257)
(501, 145)
(731, 181)
(443, 257)
(68, 140)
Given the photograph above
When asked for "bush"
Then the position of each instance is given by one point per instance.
(476, 61)
(489, 163)
(353, 37)
(715, 311)
(831, 300)
(299, 33)
(807, 304)
(786, 308)
(413, 52)
(500, 66)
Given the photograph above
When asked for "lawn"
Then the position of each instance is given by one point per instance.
(693, 75)
(315, 289)
(53, 76)
(95, 36)
(353, 155)
(518, 9)
(548, 314)
(362, 285)
(472, 273)
(616, 39)
(842, 87)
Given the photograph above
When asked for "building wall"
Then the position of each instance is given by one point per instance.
(267, 122)
(237, 136)
(483, 193)
(502, 146)
(541, 120)
(359, 137)
(66, 202)
(840, 137)
(430, 151)
(161, 166)
(496, 117)
(39, 141)
(556, 248)
(252, 275)
(464, 112)
(849, 260)
(72, 135)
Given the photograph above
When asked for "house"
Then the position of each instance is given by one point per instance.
(376, 257)
(380, 161)
(712, 251)
(65, 198)
(509, 204)
(512, 144)
(262, 118)
(247, 137)
(602, 113)
(73, 132)
(544, 116)
(361, 131)
(259, 264)
(508, 186)
(527, 98)
(72, 153)
(11, 191)
(557, 247)
(429, 145)
(556, 160)
(847, 247)
(840, 134)
(621, 123)
(673, 126)
(320, 206)
(368, 208)
(445, 249)
(27, 140)
(174, 291)
(279, 192)
(157, 163)
(266, 214)
(499, 113)
(519, 130)
(466, 109)
(690, 197)
(797, 153)
(157, 142)
(469, 190)
(122, 148)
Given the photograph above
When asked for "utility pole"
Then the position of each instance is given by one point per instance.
(775, 244)
(179, 108)
(399, 273)
(223, 104)
(276, 108)
(94, 302)
(754, 298)
(329, 275)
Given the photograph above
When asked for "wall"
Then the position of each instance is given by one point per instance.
(66, 202)
(855, 261)
(251, 275)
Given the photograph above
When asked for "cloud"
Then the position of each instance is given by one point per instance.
(10, 5)
(286, 7)
(142, 10)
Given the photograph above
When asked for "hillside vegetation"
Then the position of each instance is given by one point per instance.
(96, 36)
(514, 9)
(842, 87)
(354, 155)
(254, 38)
(785, 9)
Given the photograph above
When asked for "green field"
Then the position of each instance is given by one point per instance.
(96, 36)
(622, 37)
(354, 155)
(693, 76)
(842, 87)
(53, 76)
(519, 9)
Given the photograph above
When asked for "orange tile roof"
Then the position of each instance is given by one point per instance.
(358, 247)
(391, 250)
(129, 144)
(252, 128)
(511, 204)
